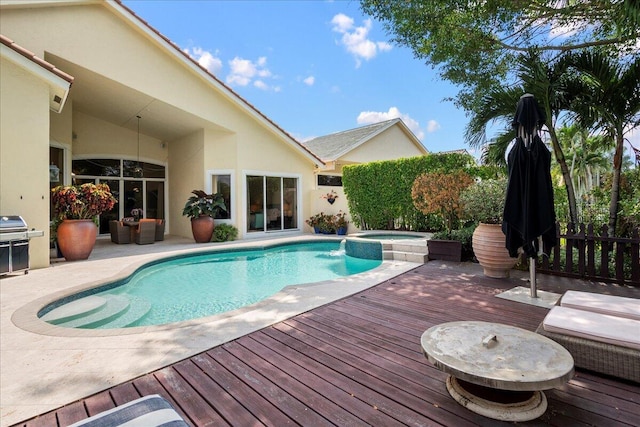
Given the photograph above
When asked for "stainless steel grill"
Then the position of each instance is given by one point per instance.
(14, 244)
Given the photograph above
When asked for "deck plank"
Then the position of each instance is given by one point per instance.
(358, 361)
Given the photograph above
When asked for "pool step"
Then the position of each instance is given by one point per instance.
(75, 309)
(413, 251)
(138, 308)
(114, 307)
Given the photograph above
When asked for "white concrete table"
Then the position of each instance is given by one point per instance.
(496, 370)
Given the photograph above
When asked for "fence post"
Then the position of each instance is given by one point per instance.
(581, 248)
(556, 249)
(635, 256)
(568, 266)
(591, 251)
(604, 251)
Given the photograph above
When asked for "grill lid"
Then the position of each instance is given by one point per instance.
(12, 223)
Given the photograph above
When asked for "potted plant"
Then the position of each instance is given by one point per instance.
(330, 197)
(202, 208)
(341, 223)
(439, 193)
(77, 207)
(484, 202)
(314, 221)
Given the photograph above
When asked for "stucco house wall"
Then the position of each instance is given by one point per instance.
(391, 144)
(24, 154)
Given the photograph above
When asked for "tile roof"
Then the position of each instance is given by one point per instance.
(333, 146)
(33, 58)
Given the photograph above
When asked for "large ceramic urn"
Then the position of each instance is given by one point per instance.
(76, 238)
(202, 228)
(489, 248)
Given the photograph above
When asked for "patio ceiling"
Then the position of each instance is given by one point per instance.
(109, 100)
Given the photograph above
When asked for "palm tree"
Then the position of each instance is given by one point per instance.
(606, 99)
(588, 158)
(543, 78)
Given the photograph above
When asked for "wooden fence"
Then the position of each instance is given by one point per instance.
(584, 254)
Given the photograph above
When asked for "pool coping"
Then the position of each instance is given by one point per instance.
(43, 367)
(26, 317)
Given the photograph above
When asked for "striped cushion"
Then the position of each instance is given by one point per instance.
(148, 411)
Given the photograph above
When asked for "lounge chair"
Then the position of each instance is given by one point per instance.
(159, 230)
(146, 232)
(601, 332)
(148, 411)
(119, 233)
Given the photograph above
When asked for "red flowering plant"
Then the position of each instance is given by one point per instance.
(84, 201)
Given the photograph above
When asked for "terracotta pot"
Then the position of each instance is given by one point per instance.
(202, 228)
(76, 238)
(489, 247)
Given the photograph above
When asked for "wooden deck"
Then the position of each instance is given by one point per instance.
(358, 362)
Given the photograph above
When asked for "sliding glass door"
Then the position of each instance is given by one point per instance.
(272, 203)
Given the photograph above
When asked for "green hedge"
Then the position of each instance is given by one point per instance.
(379, 193)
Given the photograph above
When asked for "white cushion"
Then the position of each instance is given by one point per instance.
(614, 330)
(605, 304)
(148, 411)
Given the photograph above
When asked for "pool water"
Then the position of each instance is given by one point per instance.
(203, 285)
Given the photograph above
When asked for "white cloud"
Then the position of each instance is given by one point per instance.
(370, 117)
(356, 39)
(244, 72)
(309, 81)
(206, 59)
(432, 126)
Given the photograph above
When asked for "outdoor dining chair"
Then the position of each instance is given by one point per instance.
(146, 232)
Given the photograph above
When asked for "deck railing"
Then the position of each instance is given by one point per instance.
(584, 253)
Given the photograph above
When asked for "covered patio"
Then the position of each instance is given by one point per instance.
(353, 361)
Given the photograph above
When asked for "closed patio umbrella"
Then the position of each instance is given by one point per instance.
(529, 214)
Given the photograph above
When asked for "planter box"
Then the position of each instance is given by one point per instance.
(445, 250)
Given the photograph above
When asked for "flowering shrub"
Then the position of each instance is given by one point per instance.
(81, 201)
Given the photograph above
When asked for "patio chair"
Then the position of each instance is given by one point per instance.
(146, 232)
(159, 229)
(119, 233)
(148, 411)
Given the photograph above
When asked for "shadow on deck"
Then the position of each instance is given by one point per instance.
(358, 361)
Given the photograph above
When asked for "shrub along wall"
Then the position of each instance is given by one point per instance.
(379, 193)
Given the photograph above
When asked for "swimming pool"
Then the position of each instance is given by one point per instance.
(194, 286)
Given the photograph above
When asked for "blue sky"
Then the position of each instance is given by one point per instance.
(313, 67)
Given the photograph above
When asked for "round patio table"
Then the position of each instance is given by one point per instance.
(496, 370)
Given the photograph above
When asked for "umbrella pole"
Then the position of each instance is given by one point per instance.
(532, 278)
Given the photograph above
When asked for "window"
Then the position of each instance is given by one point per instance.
(330, 180)
(222, 184)
(132, 191)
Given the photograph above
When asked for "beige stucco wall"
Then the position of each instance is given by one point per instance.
(390, 144)
(185, 175)
(24, 153)
(99, 138)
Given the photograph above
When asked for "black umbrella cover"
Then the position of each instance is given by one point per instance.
(529, 210)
